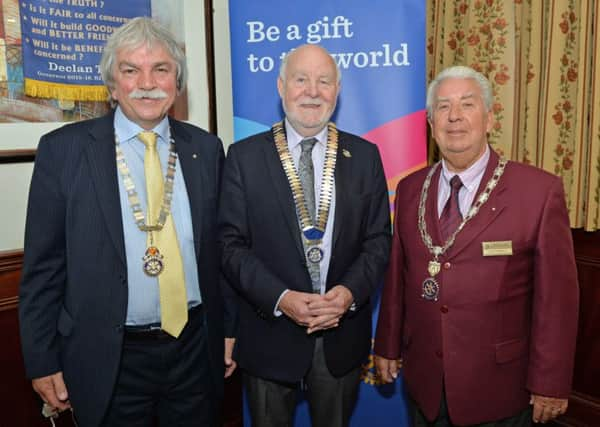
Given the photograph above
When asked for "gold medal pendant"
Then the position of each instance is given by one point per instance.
(433, 267)
(153, 264)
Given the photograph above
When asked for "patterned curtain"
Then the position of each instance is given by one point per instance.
(543, 59)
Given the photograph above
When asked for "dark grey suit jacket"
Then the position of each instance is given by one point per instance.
(73, 295)
(263, 255)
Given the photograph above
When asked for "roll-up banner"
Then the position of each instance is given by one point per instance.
(380, 50)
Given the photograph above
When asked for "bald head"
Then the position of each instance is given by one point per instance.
(307, 49)
(308, 85)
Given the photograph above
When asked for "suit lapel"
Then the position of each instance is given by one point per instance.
(487, 213)
(282, 189)
(431, 209)
(103, 166)
(193, 173)
(343, 174)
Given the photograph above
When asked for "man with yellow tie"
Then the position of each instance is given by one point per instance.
(121, 313)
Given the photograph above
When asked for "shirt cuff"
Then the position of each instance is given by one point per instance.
(276, 311)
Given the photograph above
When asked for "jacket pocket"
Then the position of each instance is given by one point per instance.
(508, 351)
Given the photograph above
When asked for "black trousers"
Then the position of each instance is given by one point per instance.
(330, 399)
(164, 381)
(522, 419)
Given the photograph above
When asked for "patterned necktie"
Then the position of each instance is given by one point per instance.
(171, 281)
(451, 216)
(306, 172)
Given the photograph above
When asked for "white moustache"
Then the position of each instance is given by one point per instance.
(152, 94)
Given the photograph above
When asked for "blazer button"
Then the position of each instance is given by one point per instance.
(439, 353)
(447, 266)
(444, 309)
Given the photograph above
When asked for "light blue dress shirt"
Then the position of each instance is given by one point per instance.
(143, 304)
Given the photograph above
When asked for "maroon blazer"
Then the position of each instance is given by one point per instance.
(504, 326)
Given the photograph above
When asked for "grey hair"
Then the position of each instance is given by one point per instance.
(460, 72)
(284, 62)
(135, 33)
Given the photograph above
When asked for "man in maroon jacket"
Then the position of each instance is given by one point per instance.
(481, 298)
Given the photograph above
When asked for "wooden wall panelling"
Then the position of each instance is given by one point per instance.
(584, 404)
(18, 405)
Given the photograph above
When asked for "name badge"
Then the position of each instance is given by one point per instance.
(503, 247)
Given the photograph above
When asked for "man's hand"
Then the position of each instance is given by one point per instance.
(387, 369)
(329, 309)
(547, 408)
(52, 390)
(295, 305)
(230, 364)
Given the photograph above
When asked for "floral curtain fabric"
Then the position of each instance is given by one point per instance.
(542, 60)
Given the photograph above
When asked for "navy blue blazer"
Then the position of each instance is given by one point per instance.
(73, 294)
(263, 255)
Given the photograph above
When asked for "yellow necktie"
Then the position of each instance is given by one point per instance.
(171, 281)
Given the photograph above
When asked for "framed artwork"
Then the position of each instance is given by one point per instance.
(24, 119)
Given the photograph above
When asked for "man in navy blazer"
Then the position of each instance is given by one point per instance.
(90, 311)
(304, 278)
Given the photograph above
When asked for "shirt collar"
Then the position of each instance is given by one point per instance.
(472, 175)
(294, 138)
(126, 130)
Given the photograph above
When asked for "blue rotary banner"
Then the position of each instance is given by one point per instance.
(62, 44)
(380, 50)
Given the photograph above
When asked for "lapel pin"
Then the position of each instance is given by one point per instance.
(194, 156)
(346, 153)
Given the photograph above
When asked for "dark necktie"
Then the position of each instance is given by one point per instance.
(306, 172)
(451, 216)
